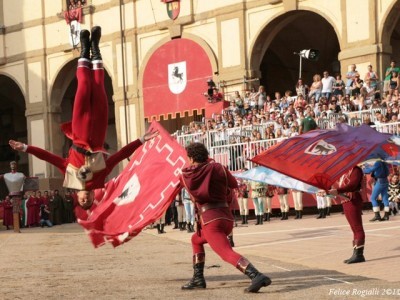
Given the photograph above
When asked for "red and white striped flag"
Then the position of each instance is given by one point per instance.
(140, 194)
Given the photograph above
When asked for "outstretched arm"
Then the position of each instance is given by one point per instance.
(128, 150)
(42, 154)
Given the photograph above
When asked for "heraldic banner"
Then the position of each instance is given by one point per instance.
(140, 194)
(320, 157)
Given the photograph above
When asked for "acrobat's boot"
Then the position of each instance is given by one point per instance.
(358, 253)
(198, 281)
(95, 40)
(231, 242)
(258, 280)
(377, 216)
(85, 44)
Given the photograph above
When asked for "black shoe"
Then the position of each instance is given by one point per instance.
(377, 217)
(258, 280)
(321, 213)
(85, 44)
(258, 220)
(386, 216)
(268, 217)
(357, 257)
(198, 281)
(297, 215)
(328, 211)
(95, 40)
(162, 228)
(243, 220)
(300, 214)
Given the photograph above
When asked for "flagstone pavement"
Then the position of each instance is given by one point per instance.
(302, 257)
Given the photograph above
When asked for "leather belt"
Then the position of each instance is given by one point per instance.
(209, 206)
(81, 150)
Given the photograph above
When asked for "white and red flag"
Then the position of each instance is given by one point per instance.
(140, 194)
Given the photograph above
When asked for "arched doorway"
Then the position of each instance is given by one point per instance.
(273, 51)
(391, 34)
(13, 126)
(64, 90)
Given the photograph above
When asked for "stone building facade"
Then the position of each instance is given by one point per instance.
(158, 61)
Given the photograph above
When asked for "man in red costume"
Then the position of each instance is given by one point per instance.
(349, 186)
(87, 166)
(7, 212)
(209, 184)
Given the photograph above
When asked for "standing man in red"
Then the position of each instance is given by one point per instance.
(31, 205)
(209, 183)
(14, 181)
(7, 212)
(87, 166)
(349, 188)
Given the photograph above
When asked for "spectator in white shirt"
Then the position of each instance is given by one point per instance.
(327, 85)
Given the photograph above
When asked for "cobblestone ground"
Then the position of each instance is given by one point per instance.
(60, 263)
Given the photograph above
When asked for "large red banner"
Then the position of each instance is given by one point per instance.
(175, 79)
(320, 157)
(140, 194)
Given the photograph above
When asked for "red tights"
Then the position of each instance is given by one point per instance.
(352, 211)
(215, 234)
(90, 112)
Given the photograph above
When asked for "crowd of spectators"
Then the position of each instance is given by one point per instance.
(39, 208)
(282, 115)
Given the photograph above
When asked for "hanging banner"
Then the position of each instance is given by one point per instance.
(175, 80)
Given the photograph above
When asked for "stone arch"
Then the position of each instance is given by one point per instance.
(13, 125)
(389, 30)
(272, 51)
(62, 100)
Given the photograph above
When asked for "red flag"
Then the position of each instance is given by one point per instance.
(320, 157)
(140, 194)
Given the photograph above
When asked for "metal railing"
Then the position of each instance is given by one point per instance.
(234, 153)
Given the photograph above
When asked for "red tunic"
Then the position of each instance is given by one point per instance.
(210, 183)
(7, 213)
(78, 160)
(31, 207)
